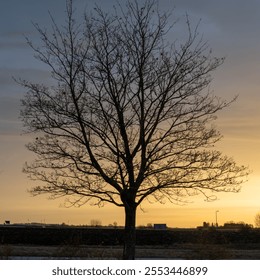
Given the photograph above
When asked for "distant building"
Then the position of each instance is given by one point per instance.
(160, 226)
(241, 225)
(206, 225)
(7, 222)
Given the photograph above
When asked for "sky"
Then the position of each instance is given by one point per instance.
(231, 28)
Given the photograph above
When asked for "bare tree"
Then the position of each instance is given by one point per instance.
(130, 118)
(257, 220)
(95, 223)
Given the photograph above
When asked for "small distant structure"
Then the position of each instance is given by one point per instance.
(240, 225)
(226, 226)
(205, 226)
(7, 222)
(160, 226)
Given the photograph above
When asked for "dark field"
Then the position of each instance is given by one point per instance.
(106, 243)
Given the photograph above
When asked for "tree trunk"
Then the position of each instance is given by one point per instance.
(130, 233)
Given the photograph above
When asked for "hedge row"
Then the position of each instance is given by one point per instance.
(114, 236)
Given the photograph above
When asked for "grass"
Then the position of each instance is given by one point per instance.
(178, 251)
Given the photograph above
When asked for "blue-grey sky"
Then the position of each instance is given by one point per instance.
(232, 29)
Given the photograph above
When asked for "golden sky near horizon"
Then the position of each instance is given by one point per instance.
(232, 30)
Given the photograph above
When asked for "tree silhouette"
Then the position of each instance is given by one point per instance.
(130, 116)
(257, 220)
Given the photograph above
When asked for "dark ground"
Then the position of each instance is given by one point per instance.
(61, 242)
